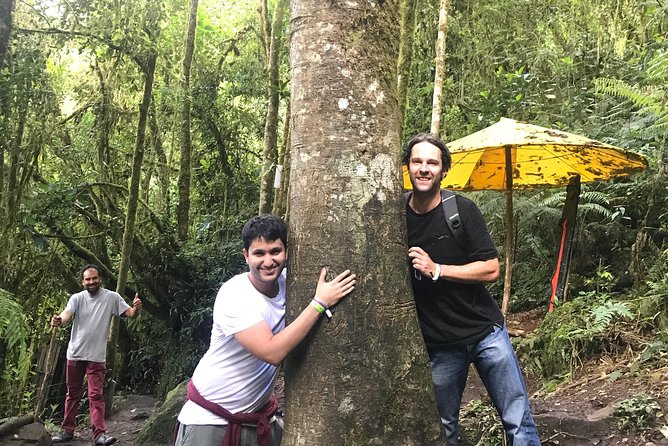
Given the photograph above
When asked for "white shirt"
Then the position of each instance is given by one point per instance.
(228, 374)
(92, 318)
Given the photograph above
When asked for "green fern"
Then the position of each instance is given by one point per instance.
(578, 330)
(650, 99)
(642, 97)
(14, 336)
(604, 314)
(657, 68)
(13, 325)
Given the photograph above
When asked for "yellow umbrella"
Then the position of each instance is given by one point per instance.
(512, 155)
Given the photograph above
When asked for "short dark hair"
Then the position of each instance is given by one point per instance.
(446, 159)
(266, 226)
(88, 266)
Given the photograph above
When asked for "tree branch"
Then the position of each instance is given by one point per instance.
(57, 31)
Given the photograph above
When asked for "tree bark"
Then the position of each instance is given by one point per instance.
(266, 29)
(6, 13)
(281, 193)
(130, 218)
(269, 154)
(437, 103)
(186, 145)
(163, 166)
(104, 120)
(405, 55)
(363, 378)
(16, 159)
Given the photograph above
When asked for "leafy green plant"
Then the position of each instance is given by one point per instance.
(636, 413)
(15, 363)
(649, 98)
(482, 424)
(579, 329)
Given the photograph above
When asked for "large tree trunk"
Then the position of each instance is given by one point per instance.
(405, 55)
(437, 103)
(186, 146)
(130, 219)
(363, 378)
(269, 154)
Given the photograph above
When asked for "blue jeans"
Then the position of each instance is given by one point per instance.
(495, 360)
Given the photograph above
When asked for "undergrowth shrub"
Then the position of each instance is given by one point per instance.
(577, 330)
(637, 413)
(14, 358)
(482, 426)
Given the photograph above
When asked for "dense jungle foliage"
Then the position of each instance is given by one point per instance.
(73, 76)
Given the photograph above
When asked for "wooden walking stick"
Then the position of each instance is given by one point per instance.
(48, 371)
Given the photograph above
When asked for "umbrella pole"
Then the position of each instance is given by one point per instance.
(508, 248)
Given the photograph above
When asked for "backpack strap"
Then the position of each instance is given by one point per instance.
(451, 213)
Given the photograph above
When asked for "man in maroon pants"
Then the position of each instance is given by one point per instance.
(92, 310)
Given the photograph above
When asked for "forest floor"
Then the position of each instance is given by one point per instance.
(128, 417)
(578, 413)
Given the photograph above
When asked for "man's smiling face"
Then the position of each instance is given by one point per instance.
(425, 167)
(266, 261)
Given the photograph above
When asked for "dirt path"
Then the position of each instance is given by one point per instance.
(577, 415)
(131, 411)
(580, 413)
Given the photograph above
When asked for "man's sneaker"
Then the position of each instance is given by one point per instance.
(104, 439)
(62, 437)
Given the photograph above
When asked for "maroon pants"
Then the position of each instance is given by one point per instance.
(74, 379)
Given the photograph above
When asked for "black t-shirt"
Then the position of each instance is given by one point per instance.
(452, 313)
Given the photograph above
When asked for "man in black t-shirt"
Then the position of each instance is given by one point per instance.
(461, 323)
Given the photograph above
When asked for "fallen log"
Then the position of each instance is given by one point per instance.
(15, 423)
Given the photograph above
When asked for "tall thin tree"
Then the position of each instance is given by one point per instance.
(407, 27)
(281, 192)
(362, 378)
(270, 152)
(6, 12)
(266, 28)
(437, 103)
(185, 173)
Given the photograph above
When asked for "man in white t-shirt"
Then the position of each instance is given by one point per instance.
(230, 396)
(92, 310)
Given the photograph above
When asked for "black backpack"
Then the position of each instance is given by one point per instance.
(451, 213)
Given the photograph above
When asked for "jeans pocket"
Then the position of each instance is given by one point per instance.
(186, 431)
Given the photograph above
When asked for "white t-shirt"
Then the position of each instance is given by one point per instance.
(228, 374)
(92, 318)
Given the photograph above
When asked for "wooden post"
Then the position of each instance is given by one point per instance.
(40, 401)
(509, 231)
